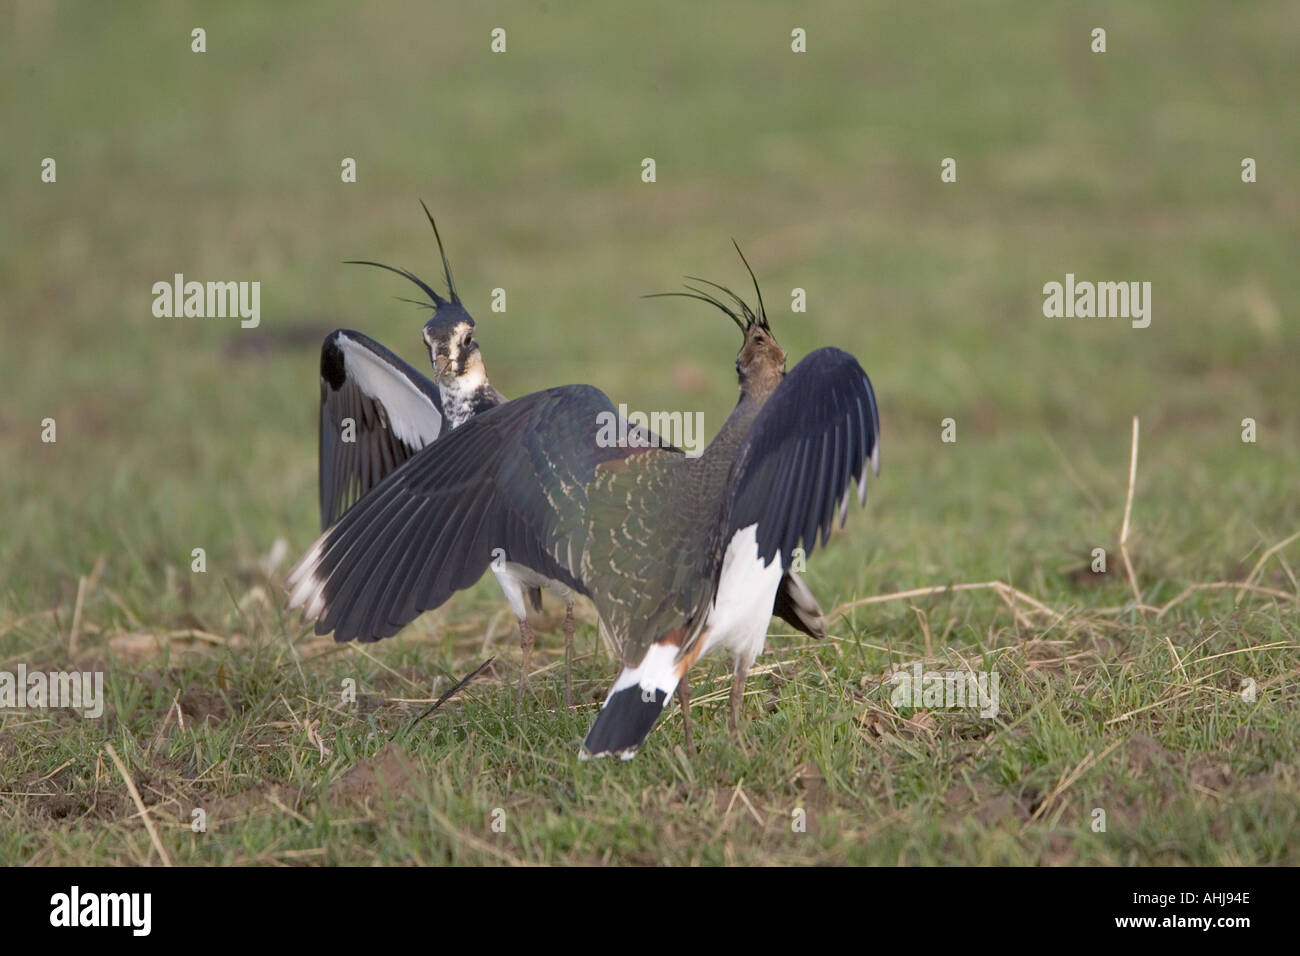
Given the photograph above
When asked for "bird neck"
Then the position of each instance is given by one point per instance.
(733, 430)
(466, 396)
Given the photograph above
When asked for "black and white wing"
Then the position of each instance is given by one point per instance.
(813, 437)
(510, 484)
(376, 411)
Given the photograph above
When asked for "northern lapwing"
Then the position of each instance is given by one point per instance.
(680, 555)
(377, 411)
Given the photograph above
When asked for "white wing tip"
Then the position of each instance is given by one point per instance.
(305, 587)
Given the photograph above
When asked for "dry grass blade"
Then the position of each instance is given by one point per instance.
(1128, 508)
(1067, 780)
(1004, 591)
(144, 813)
(273, 798)
(85, 587)
(1246, 650)
(1238, 586)
(1011, 595)
(1259, 565)
(1158, 703)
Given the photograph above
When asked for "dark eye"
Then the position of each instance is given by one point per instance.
(469, 337)
(737, 366)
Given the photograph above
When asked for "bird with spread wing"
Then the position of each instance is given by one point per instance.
(679, 555)
(377, 411)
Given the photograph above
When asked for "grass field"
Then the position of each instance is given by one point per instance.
(184, 433)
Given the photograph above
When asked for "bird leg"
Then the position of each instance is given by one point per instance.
(684, 700)
(737, 700)
(526, 641)
(568, 655)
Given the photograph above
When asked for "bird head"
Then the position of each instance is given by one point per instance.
(449, 333)
(760, 364)
(453, 350)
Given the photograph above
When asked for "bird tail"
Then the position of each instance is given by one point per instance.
(798, 606)
(634, 703)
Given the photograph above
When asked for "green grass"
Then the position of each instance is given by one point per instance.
(185, 433)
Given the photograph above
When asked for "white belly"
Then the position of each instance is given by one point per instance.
(742, 608)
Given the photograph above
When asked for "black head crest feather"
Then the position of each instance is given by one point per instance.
(745, 318)
(436, 301)
(446, 269)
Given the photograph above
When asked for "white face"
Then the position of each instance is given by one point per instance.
(454, 357)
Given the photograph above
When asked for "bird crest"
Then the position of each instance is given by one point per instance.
(746, 318)
(436, 301)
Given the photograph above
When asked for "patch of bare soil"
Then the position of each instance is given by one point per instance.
(1146, 756)
(986, 805)
(389, 772)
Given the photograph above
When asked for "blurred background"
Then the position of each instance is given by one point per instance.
(180, 433)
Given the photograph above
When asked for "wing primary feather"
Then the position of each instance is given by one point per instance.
(833, 487)
(347, 542)
(821, 493)
(338, 541)
(862, 474)
(790, 524)
(408, 559)
(346, 616)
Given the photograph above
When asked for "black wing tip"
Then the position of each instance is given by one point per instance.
(866, 391)
(333, 366)
(347, 631)
(623, 723)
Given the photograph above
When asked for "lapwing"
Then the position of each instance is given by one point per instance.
(377, 411)
(680, 555)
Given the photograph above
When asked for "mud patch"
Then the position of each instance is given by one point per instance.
(986, 805)
(1146, 756)
(388, 773)
(198, 705)
(1210, 773)
(812, 782)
